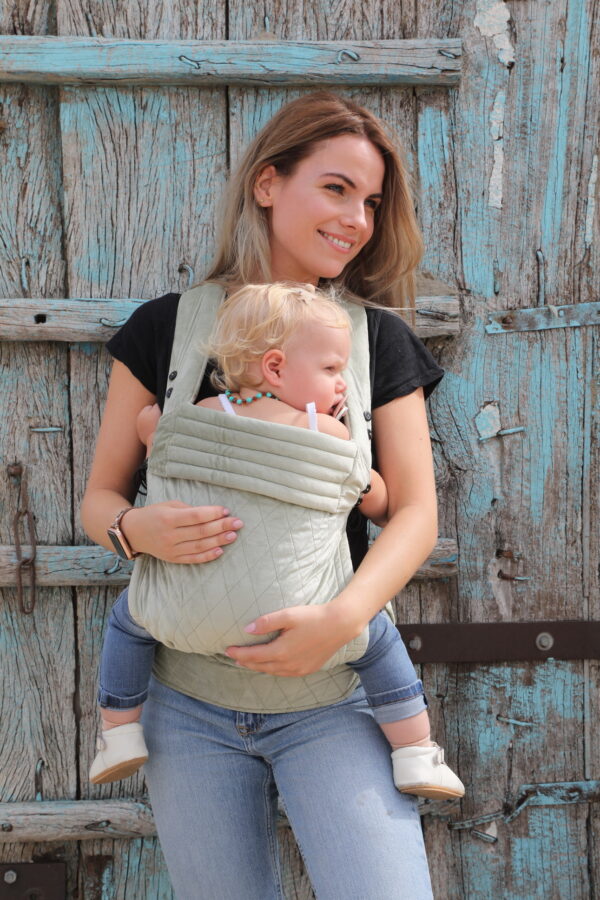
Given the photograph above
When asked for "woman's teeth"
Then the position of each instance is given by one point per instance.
(345, 245)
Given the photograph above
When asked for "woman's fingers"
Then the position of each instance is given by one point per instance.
(176, 532)
(204, 544)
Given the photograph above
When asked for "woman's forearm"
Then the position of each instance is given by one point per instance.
(98, 511)
(403, 545)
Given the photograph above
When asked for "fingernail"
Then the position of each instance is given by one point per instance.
(225, 511)
(237, 523)
(218, 551)
(250, 628)
(230, 536)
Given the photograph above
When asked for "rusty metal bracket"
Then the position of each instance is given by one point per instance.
(539, 318)
(558, 793)
(479, 642)
(25, 564)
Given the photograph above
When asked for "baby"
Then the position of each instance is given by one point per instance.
(281, 353)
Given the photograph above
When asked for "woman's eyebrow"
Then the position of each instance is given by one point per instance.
(347, 180)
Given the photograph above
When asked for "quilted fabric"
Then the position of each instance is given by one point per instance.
(293, 489)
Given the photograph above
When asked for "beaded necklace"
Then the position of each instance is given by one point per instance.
(232, 399)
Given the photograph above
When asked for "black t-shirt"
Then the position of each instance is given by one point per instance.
(399, 364)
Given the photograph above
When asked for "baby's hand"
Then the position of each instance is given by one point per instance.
(146, 425)
(374, 503)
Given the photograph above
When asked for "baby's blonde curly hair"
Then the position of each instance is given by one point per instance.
(261, 317)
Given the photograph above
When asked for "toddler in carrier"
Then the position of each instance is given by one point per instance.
(281, 354)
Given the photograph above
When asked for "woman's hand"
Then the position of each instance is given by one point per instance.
(310, 635)
(172, 531)
(178, 533)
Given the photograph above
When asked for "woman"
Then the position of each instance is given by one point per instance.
(321, 195)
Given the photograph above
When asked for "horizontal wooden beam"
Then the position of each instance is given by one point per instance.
(84, 61)
(86, 566)
(74, 820)
(93, 320)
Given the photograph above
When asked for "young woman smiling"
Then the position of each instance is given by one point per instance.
(321, 196)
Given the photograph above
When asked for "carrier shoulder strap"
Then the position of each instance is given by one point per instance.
(196, 314)
(358, 379)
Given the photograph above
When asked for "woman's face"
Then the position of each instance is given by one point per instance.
(323, 214)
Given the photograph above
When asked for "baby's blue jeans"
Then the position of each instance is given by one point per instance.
(386, 673)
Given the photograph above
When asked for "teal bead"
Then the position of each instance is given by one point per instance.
(239, 402)
(249, 399)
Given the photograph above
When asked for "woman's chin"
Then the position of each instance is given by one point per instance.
(331, 270)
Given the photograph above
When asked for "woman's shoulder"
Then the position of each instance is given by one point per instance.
(400, 361)
(144, 342)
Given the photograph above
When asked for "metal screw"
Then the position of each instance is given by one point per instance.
(415, 643)
(544, 641)
(507, 320)
(10, 877)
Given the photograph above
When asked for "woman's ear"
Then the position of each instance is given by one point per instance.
(272, 365)
(264, 184)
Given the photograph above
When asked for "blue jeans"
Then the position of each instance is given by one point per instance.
(387, 675)
(214, 775)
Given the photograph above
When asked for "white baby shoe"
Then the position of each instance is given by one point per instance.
(423, 772)
(121, 752)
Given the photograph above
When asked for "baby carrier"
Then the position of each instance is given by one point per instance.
(293, 488)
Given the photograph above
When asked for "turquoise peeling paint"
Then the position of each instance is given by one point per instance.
(433, 151)
(550, 696)
(542, 388)
(576, 59)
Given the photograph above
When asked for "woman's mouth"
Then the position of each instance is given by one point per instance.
(344, 246)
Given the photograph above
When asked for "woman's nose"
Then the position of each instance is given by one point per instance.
(355, 216)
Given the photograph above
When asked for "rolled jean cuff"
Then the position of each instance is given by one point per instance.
(389, 706)
(111, 701)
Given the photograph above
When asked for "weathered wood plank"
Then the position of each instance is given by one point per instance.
(37, 671)
(88, 319)
(93, 565)
(143, 174)
(509, 204)
(73, 60)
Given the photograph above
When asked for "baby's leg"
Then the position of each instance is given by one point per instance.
(396, 697)
(125, 668)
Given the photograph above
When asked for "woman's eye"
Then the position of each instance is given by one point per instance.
(373, 205)
(336, 188)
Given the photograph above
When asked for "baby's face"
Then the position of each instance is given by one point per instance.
(315, 358)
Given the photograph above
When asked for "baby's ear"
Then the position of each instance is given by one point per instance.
(272, 366)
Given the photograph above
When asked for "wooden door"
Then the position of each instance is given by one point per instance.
(109, 192)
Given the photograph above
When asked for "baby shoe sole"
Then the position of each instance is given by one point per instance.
(431, 791)
(122, 770)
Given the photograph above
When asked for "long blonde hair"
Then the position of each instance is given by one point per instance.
(384, 271)
(260, 317)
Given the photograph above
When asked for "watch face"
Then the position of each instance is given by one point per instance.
(119, 549)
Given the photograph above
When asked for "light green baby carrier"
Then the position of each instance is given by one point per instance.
(293, 488)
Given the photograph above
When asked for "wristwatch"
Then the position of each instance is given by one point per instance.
(118, 539)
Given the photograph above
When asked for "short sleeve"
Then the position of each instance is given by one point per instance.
(145, 341)
(400, 362)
